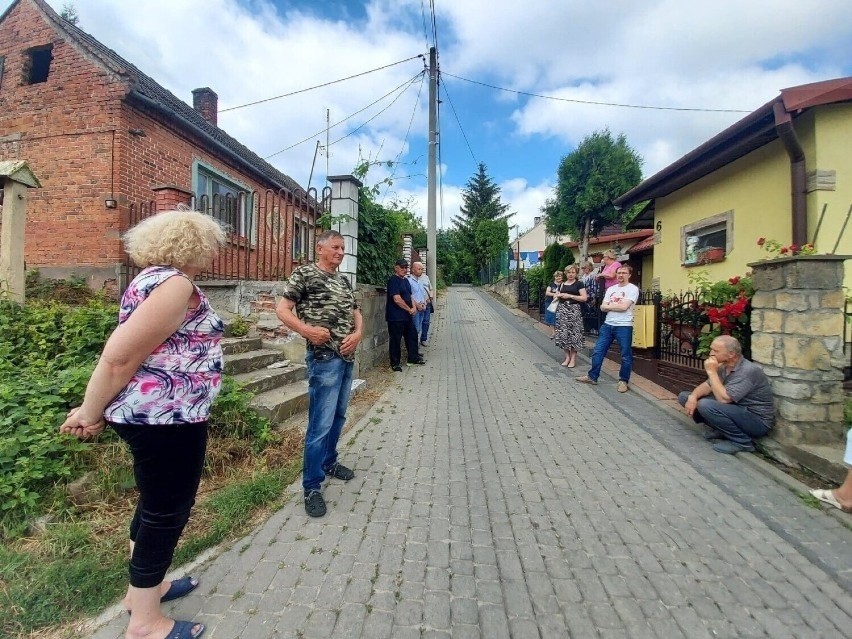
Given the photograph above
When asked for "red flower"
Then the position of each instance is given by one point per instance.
(794, 248)
(734, 280)
(761, 241)
(784, 250)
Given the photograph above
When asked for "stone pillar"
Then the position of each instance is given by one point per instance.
(797, 338)
(407, 241)
(15, 178)
(344, 215)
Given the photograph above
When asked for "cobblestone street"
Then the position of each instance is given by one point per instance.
(494, 497)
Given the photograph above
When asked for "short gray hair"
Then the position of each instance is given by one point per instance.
(730, 344)
(325, 236)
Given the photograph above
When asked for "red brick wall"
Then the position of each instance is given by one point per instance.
(64, 129)
(74, 132)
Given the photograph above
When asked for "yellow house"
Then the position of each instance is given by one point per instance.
(783, 172)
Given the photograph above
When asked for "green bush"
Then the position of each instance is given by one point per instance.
(47, 353)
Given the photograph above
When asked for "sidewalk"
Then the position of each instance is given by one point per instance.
(496, 498)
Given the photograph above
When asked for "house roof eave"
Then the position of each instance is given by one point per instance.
(750, 133)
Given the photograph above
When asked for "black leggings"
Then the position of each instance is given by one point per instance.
(167, 465)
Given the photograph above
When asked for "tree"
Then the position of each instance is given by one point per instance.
(588, 180)
(556, 257)
(69, 13)
(448, 256)
(380, 230)
(480, 204)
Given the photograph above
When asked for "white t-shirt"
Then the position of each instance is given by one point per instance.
(617, 294)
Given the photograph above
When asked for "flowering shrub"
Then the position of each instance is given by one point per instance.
(776, 249)
(728, 306)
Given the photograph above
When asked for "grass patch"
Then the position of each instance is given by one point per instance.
(78, 566)
(807, 499)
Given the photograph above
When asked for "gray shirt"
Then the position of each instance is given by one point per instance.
(748, 386)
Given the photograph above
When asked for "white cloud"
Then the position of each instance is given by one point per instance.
(716, 54)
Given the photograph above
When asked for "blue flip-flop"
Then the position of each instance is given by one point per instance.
(179, 588)
(183, 630)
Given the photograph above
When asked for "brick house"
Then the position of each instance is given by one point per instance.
(109, 144)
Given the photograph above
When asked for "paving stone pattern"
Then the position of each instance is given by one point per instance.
(495, 497)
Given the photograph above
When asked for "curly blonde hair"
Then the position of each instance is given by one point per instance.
(179, 238)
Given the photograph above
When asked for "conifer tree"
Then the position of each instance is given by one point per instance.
(482, 223)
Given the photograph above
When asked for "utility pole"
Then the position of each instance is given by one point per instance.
(431, 218)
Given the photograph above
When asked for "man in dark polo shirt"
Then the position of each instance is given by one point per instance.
(735, 401)
(399, 314)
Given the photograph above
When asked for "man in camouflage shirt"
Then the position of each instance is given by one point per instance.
(318, 303)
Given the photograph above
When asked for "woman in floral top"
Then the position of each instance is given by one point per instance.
(154, 384)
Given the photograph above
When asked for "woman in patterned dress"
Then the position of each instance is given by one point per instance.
(154, 384)
(569, 320)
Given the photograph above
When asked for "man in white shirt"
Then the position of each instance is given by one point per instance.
(426, 283)
(618, 305)
(418, 296)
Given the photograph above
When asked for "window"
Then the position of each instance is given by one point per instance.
(37, 65)
(226, 200)
(708, 240)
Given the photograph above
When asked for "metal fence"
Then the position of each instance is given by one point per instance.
(683, 327)
(496, 269)
(847, 339)
(269, 232)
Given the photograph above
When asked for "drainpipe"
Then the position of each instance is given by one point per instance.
(787, 134)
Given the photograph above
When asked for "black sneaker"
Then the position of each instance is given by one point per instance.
(339, 471)
(398, 369)
(314, 504)
(419, 362)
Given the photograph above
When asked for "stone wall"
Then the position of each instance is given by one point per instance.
(237, 298)
(373, 350)
(507, 291)
(797, 324)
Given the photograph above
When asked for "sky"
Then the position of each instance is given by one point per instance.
(719, 59)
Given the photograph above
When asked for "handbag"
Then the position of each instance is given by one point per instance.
(551, 308)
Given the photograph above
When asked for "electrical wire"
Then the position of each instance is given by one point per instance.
(434, 24)
(405, 140)
(319, 86)
(612, 104)
(366, 122)
(425, 32)
(440, 164)
(456, 115)
(312, 136)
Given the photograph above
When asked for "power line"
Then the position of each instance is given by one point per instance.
(319, 86)
(449, 99)
(405, 139)
(312, 136)
(612, 104)
(366, 122)
(425, 32)
(434, 25)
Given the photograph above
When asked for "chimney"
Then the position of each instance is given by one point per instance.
(206, 102)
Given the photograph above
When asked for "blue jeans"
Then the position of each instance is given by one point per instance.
(733, 421)
(427, 319)
(329, 383)
(417, 319)
(609, 334)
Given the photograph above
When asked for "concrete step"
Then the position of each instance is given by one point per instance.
(825, 461)
(264, 379)
(237, 345)
(251, 361)
(280, 403)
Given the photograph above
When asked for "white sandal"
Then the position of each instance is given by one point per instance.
(827, 496)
